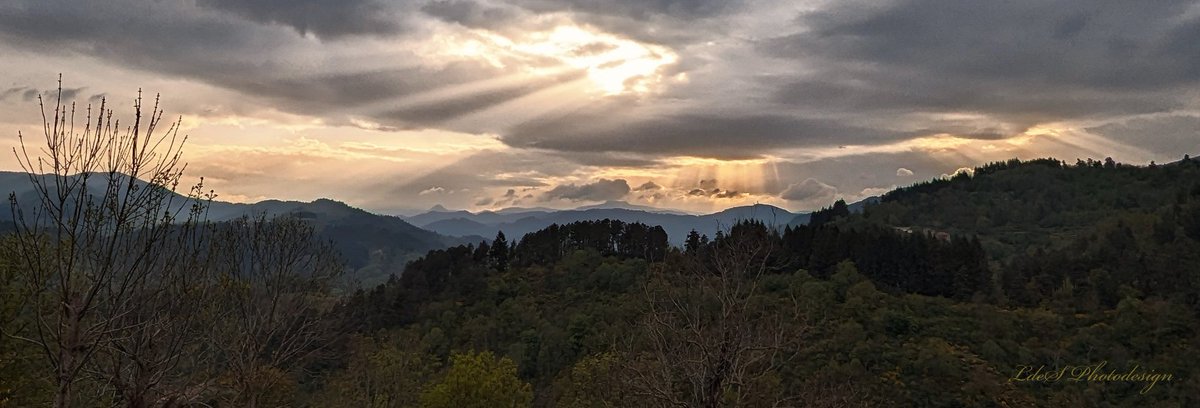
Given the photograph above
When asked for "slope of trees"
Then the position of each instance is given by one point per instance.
(899, 306)
(1094, 231)
(733, 322)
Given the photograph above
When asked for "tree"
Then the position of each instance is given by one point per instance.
(839, 209)
(274, 309)
(22, 373)
(101, 251)
(594, 381)
(499, 252)
(692, 244)
(381, 373)
(478, 380)
(712, 336)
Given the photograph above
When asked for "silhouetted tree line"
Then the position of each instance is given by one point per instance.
(608, 237)
(839, 209)
(461, 271)
(913, 262)
(896, 259)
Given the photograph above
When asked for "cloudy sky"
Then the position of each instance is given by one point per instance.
(688, 104)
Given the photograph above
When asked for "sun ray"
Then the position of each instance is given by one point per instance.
(458, 91)
(558, 98)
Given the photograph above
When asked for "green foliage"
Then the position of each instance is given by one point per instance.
(385, 372)
(876, 337)
(594, 382)
(22, 382)
(478, 380)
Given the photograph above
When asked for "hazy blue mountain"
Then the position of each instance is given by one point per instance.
(439, 216)
(436, 215)
(517, 224)
(855, 207)
(373, 245)
(518, 210)
(462, 227)
(483, 217)
(623, 205)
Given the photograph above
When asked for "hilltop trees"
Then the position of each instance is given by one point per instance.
(498, 254)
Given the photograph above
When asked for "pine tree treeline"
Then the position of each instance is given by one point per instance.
(910, 262)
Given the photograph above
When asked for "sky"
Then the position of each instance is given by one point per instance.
(696, 105)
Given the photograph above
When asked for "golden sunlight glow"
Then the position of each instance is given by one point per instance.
(939, 143)
(614, 65)
(743, 176)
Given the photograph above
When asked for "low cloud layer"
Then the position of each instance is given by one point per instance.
(601, 190)
(809, 190)
(323, 18)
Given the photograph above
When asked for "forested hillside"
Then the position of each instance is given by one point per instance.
(1093, 231)
(921, 300)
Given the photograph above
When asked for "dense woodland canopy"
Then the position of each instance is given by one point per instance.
(935, 296)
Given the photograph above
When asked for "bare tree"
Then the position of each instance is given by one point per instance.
(99, 248)
(155, 357)
(711, 337)
(273, 313)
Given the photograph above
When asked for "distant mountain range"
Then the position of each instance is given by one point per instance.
(516, 224)
(372, 245)
(376, 245)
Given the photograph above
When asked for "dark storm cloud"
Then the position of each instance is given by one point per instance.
(642, 10)
(925, 92)
(717, 135)
(172, 39)
(470, 13)
(1169, 136)
(674, 22)
(622, 159)
(1022, 61)
(166, 33)
(324, 18)
(253, 59)
(601, 190)
(373, 93)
